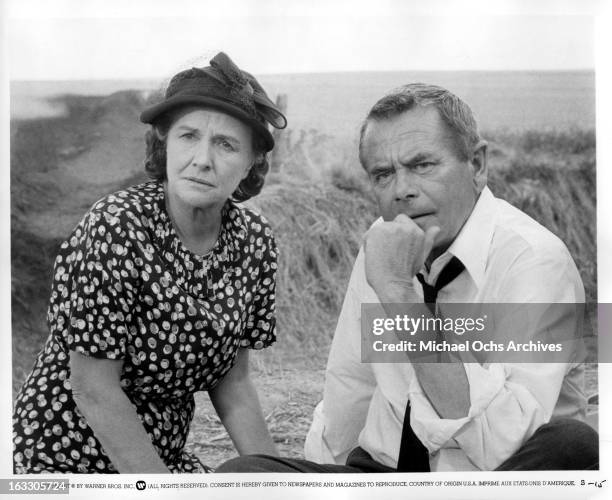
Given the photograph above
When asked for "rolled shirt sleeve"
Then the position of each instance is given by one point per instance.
(504, 411)
(509, 401)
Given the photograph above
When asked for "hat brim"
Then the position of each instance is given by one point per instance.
(151, 114)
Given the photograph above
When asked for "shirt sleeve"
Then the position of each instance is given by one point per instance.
(349, 385)
(260, 328)
(101, 294)
(509, 401)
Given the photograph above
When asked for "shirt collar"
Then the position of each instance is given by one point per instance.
(471, 245)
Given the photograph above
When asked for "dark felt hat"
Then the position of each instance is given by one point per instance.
(223, 86)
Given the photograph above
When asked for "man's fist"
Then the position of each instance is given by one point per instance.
(394, 252)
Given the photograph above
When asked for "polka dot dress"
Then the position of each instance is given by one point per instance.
(125, 288)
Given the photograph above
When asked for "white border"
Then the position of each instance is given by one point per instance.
(599, 9)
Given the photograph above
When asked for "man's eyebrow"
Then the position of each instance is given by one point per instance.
(419, 158)
(380, 168)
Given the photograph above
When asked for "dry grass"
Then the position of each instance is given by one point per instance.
(319, 205)
(318, 230)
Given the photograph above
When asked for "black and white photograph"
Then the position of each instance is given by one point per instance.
(358, 247)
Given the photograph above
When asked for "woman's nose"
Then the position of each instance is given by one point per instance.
(203, 156)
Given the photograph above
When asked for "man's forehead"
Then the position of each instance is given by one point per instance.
(419, 126)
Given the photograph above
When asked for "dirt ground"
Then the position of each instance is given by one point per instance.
(288, 392)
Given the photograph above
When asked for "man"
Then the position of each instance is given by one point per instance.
(428, 167)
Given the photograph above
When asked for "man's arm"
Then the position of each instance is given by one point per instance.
(394, 253)
(507, 402)
(349, 384)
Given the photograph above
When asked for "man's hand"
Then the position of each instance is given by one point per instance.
(394, 252)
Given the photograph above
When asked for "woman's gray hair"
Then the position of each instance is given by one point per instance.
(155, 159)
(455, 113)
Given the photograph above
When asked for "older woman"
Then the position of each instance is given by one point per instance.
(159, 292)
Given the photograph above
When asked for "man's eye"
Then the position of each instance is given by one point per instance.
(382, 175)
(424, 167)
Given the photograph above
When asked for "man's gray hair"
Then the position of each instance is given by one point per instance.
(455, 113)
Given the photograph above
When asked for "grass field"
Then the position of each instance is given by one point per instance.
(319, 205)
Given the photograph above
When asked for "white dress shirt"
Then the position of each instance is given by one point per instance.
(508, 258)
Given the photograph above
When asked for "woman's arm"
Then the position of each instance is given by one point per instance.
(237, 405)
(97, 392)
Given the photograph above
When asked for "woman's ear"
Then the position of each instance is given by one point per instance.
(479, 165)
(259, 158)
(247, 172)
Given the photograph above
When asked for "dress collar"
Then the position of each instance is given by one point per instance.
(233, 230)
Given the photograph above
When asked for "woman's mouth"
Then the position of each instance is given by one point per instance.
(200, 181)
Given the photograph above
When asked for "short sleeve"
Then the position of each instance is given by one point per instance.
(260, 328)
(101, 291)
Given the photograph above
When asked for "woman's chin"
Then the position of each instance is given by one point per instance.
(196, 197)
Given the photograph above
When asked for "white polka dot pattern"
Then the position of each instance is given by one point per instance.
(126, 288)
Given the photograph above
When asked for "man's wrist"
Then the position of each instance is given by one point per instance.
(398, 292)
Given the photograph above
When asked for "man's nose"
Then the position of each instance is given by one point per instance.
(203, 156)
(406, 185)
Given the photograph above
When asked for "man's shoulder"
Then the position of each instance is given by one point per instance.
(529, 262)
(517, 232)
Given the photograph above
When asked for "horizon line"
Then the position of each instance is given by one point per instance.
(304, 73)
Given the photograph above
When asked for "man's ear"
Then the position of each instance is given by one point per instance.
(479, 165)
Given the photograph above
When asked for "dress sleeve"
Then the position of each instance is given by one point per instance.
(101, 289)
(260, 328)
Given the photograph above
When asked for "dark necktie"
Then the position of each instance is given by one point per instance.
(413, 456)
(448, 274)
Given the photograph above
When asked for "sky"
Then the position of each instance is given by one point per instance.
(71, 39)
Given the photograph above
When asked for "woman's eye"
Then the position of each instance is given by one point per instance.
(188, 135)
(226, 145)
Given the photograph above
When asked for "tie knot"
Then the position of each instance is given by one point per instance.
(448, 274)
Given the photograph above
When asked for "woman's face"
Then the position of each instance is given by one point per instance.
(208, 153)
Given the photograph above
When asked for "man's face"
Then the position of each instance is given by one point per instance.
(414, 168)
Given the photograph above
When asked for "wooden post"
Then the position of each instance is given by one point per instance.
(275, 157)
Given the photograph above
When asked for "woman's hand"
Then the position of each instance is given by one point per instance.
(237, 405)
(97, 392)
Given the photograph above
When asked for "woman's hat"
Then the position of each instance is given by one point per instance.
(223, 86)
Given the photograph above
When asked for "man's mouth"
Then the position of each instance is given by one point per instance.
(416, 217)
